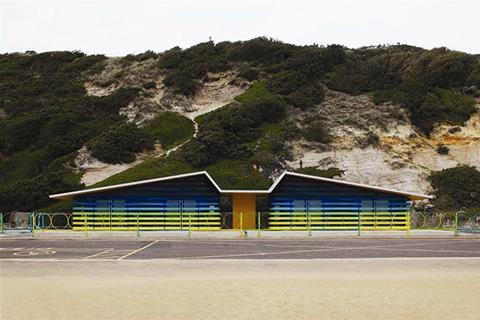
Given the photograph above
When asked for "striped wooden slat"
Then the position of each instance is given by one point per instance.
(147, 213)
(338, 214)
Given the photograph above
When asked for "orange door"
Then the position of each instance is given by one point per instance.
(244, 210)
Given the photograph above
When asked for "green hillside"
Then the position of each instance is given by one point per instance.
(46, 115)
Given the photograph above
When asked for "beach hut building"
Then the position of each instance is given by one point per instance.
(192, 202)
(180, 202)
(299, 201)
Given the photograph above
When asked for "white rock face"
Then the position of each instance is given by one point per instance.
(214, 94)
(95, 170)
(403, 159)
(369, 166)
(217, 91)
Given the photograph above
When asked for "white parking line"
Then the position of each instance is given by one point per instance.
(97, 254)
(138, 250)
(325, 249)
(368, 246)
(246, 261)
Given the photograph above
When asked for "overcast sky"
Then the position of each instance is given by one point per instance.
(117, 27)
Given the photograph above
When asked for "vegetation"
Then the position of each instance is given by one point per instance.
(228, 173)
(223, 133)
(170, 129)
(249, 74)
(421, 81)
(120, 143)
(188, 66)
(46, 115)
(155, 167)
(457, 188)
(316, 131)
(237, 174)
(140, 57)
(48, 118)
(256, 91)
(35, 190)
(371, 139)
(314, 171)
(442, 149)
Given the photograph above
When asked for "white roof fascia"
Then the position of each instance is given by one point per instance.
(272, 187)
(130, 184)
(353, 184)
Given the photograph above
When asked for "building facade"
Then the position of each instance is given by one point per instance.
(192, 202)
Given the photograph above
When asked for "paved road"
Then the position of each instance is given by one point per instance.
(237, 249)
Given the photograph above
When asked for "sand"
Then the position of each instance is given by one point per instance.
(254, 289)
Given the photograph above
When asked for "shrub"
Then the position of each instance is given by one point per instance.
(456, 188)
(120, 143)
(149, 54)
(445, 68)
(190, 65)
(371, 139)
(182, 83)
(237, 174)
(21, 132)
(442, 149)
(249, 74)
(442, 106)
(416, 79)
(262, 50)
(317, 131)
(286, 82)
(32, 193)
(309, 62)
(81, 64)
(307, 97)
(335, 54)
(328, 173)
(224, 132)
(170, 59)
(474, 77)
(149, 85)
(267, 161)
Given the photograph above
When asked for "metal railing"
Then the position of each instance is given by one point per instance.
(456, 222)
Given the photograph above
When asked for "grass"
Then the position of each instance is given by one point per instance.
(257, 90)
(229, 174)
(237, 174)
(170, 129)
(149, 169)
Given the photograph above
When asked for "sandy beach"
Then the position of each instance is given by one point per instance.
(440, 288)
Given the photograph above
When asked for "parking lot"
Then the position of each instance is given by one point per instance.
(237, 249)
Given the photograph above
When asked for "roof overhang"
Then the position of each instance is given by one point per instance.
(410, 195)
(73, 194)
